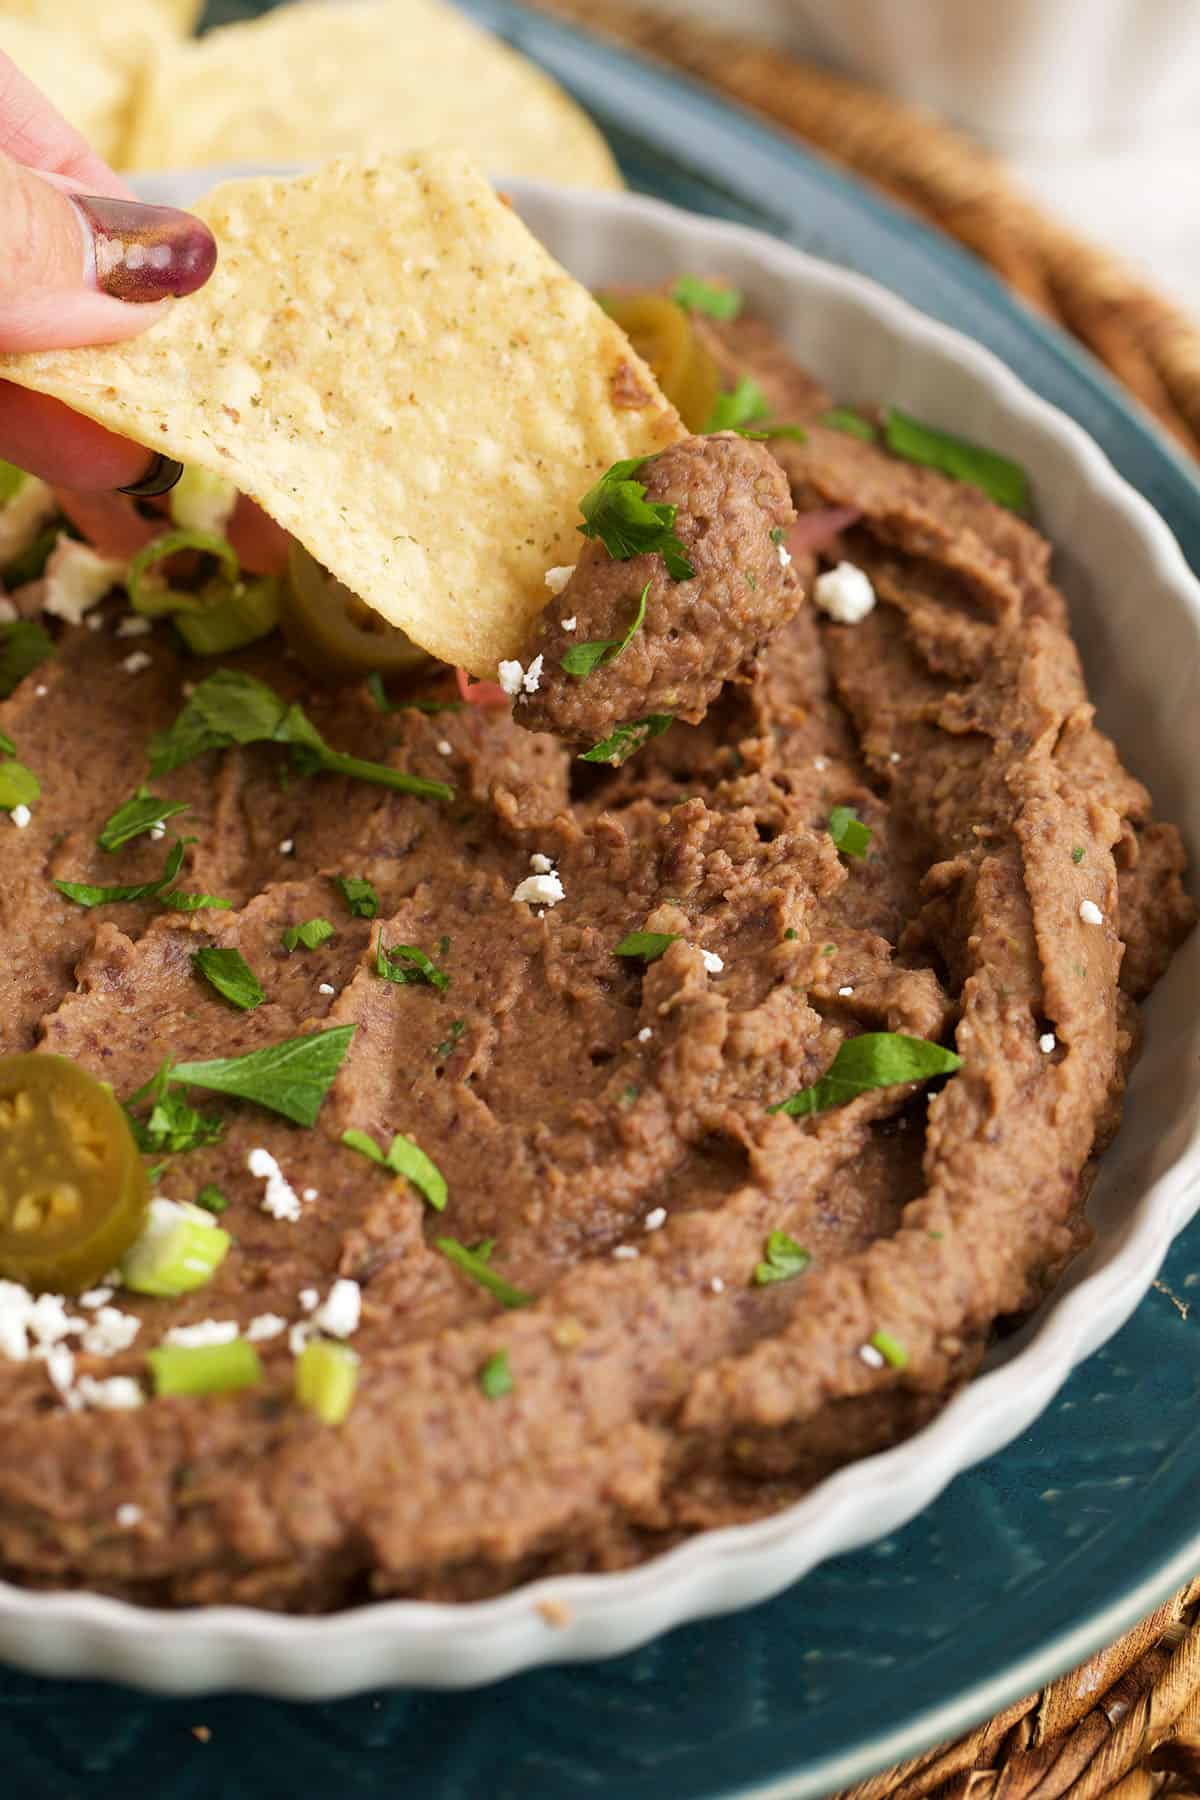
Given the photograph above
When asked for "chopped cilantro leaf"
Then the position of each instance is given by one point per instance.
(472, 1264)
(19, 786)
(875, 1059)
(628, 1095)
(23, 645)
(228, 971)
(695, 294)
(746, 401)
(449, 1043)
(358, 894)
(495, 1377)
(1002, 480)
(86, 894)
(622, 743)
(404, 1157)
(848, 832)
(582, 659)
(141, 813)
(231, 707)
(1077, 854)
(290, 1078)
(173, 1126)
(311, 935)
(379, 695)
(617, 512)
(405, 964)
(211, 1198)
(845, 418)
(782, 1258)
(649, 945)
(791, 933)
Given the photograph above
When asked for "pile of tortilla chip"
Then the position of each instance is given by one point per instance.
(306, 81)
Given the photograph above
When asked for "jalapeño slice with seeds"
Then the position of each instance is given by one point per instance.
(663, 336)
(73, 1192)
(334, 634)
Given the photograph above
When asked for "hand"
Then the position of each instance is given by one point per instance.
(82, 263)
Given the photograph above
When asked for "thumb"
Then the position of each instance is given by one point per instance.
(86, 268)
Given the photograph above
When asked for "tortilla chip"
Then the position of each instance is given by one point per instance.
(315, 80)
(88, 88)
(394, 368)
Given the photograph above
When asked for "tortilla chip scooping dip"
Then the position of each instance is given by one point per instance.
(401, 376)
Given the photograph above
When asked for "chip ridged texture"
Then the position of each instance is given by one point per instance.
(316, 80)
(394, 368)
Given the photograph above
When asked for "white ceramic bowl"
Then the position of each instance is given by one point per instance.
(1137, 615)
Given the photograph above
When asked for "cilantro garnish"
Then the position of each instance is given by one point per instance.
(474, 1265)
(358, 894)
(890, 1348)
(291, 1078)
(495, 1377)
(7, 747)
(581, 660)
(745, 402)
(19, 786)
(782, 1258)
(875, 1059)
(848, 832)
(695, 294)
(449, 1043)
(404, 1157)
(796, 433)
(649, 945)
(845, 418)
(1002, 480)
(379, 695)
(23, 645)
(29, 564)
(141, 813)
(173, 1126)
(405, 964)
(617, 512)
(211, 1198)
(231, 975)
(1077, 854)
(86, 894)
(231, 707)
(311, 935)
(621, 744)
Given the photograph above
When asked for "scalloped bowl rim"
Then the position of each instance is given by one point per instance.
(70, 1632)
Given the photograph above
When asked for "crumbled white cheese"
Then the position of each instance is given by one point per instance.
(533, 675)
(645, 1034)
(49, 1319)
(309, 1194)
(94, 621)
(76, 579)
(326, 987)
(845, 992)
(41, 690)
(298, 1336)
(133, 625)
(60, 1367)
(845, 593)
(1090, 913)
(116, 1393)
(1047, 1042)
(98, 1296)
(717, 1285)
(129, 1514)
(158, 832)
(20, 816)
(445, 747)
(625, 1252)
(515, 679)
(785, 556)
(280, 1198)
(8, 612)
(894, 757)
(265, 1325)
(541, 865)
(202, 1333)
(556, 579)
(820, 764)
(654, 1221)
(570, 624)
(110, 1332)
(16, 1304)
(873, 1358)
(341, 1309)
(540, 890)
(712, 962)
(308, 1298)
(287, 846)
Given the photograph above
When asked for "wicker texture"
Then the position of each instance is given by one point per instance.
(1125, 1724)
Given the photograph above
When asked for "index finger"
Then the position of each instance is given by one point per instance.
(33, 132)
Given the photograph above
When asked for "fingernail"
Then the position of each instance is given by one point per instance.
(143, 253)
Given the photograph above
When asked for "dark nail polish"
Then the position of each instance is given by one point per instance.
(145, 253)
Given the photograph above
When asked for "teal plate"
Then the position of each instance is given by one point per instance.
(1023, 1566)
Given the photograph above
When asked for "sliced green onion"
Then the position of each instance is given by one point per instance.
(326, 1376)
(204, 1368)
(180, 1248)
